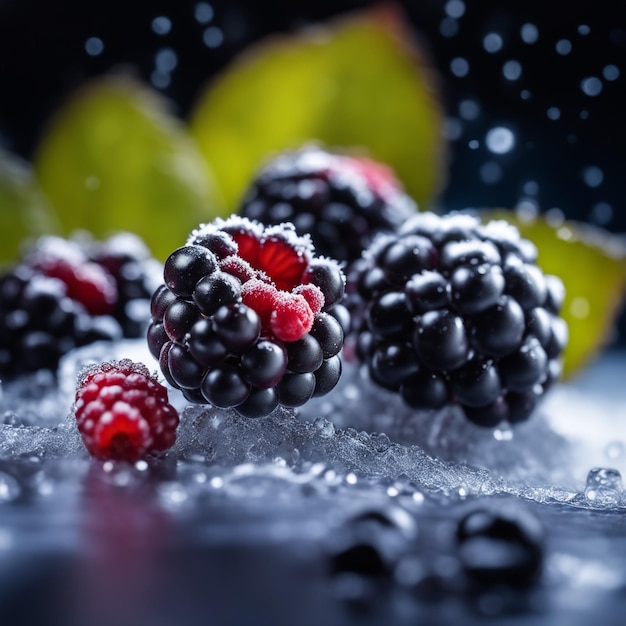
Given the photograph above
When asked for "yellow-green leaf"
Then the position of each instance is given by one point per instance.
(113, 158)
(591, 264)
(359, 83)
(23, 210)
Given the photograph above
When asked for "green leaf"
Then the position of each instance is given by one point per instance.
(592, 265)
(114, 158)
(359, 84)
(23, 210)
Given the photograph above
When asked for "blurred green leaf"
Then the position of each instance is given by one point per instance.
(23, 210)
(592, 265)
(113, 158)
(359, 83)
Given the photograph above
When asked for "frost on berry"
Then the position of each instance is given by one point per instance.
(292, 317)
(122, 412)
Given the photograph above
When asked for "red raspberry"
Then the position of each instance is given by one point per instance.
(86, 281)
(122, 412)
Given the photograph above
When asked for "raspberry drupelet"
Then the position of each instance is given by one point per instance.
(248, 317)
(451, 311)
(122, 412)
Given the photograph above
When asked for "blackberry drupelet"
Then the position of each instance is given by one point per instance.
(245, 318)
(342, 202)
(67, 293)
(451, 311)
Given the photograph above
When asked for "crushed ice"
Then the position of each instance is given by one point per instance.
(332, 444)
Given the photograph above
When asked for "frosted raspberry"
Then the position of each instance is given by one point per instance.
(86, 282)
(122, 412)
(292, 317)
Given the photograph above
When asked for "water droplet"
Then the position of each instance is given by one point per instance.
(579, 307)
(503, 434)
(203, 12)
(166, 60)
(525, 94)
(469, 109)
(217, 482)
(492, 42)
(173, 493)
(160, 80)
(325, 427)
(455, 8)
(490, 172)
(531, 187)
(565, 234)
(161, 25)
(604, 487)
(529, 33)
(351, 478)
(94, 46)
(473, 144)
(10, 489)
(512, 70)
(527, 209)
(563, 46)
(141, 466)
(611, 72)
(448, 27)
(591, 86)
(418, 497)
(615, 450)
(553, 113)
(459, 67)
(602, 213)
(592, 176)
(452, 128)
(213, 37)
(584, 29)
(555, 217)
(500, 140)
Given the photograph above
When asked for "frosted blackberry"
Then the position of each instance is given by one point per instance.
(340, 201)
(68, 293)
(248, 318)
(451, 311)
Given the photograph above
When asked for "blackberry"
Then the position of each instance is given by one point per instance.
(67, 293)
(503, 547)
(247, 317)
(340, 201)
(450, 311)
(136, 273)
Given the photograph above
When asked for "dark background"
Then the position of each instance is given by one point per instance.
(574, 163)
